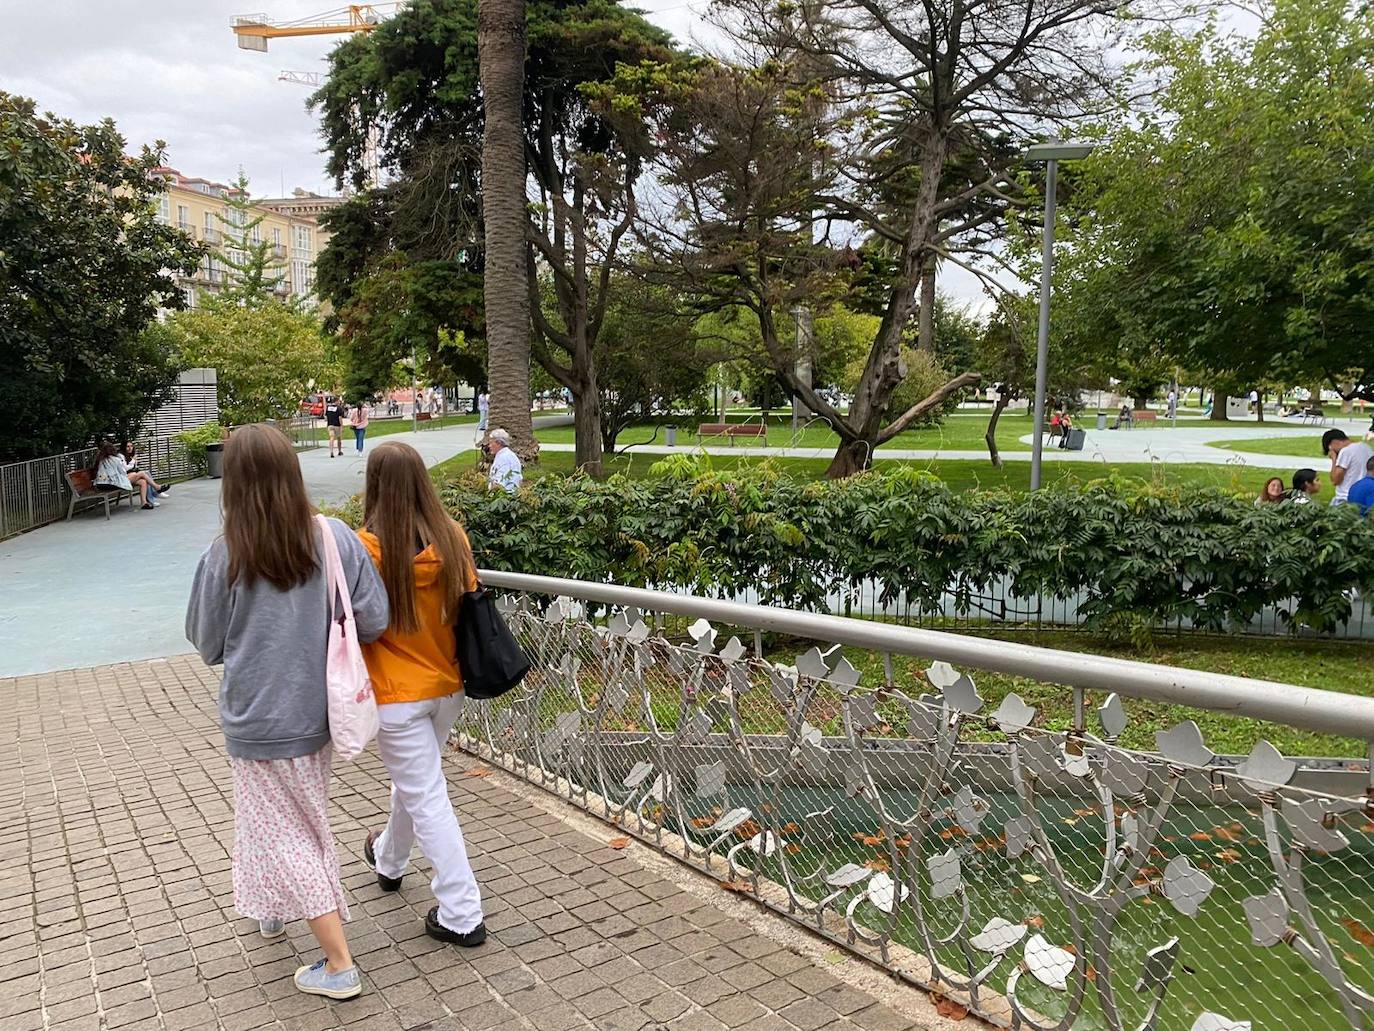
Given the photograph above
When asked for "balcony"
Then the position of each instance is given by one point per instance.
(212, 235)
(278, 251)
(188, 229)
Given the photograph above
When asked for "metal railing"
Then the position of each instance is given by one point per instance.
(1068, 868)
(35, 492)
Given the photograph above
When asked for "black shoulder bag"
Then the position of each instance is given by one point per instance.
(489, 657)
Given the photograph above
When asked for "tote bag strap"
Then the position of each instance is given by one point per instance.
(334, 574)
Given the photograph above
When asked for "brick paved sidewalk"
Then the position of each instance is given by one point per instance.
(116, 897)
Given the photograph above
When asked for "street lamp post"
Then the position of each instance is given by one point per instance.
(1051, 153)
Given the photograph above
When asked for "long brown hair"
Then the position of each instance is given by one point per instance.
(402, 508)
(268, 520)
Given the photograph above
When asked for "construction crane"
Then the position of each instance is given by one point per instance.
(372, 167)
(254, 30)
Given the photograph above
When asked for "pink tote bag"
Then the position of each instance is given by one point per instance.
(352, 704)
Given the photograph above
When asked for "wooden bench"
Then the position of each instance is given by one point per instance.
(1144, 415)
(82, 485)
(712, 429)
(1314, 416)
(747, 429)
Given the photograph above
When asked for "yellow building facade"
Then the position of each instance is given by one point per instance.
(198, 208)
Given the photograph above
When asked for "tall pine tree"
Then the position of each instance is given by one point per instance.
(256, 275)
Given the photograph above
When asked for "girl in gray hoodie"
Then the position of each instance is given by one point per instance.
(259, 606)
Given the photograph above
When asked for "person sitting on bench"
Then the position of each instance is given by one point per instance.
(155, 490)
(1123, 417)
(110, 473)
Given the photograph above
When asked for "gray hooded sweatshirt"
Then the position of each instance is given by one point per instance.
(272, 643)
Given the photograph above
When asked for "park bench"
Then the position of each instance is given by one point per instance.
(712, 429)
(747, 430)
(1315, 416)
(1144, 415)
(82, 485)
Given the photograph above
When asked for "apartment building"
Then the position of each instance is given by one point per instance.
(197, 207)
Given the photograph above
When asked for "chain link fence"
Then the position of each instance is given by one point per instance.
(1112, 872)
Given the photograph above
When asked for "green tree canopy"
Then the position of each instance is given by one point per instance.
(85, 265)
(1232, 230)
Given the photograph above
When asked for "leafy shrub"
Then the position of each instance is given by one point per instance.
(1134, 559)
(196, 440)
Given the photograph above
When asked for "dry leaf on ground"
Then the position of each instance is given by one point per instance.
(948, 1008)
(618, 843)
(480, 771)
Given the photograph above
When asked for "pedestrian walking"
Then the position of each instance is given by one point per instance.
(259, 605)
(506, 470)
(333, 422)
(427, 566)
(483, 409)
(358, 420)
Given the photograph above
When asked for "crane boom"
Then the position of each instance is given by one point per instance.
(301, 78)
(254, 30)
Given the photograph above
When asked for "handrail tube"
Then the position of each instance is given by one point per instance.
(1327, 712)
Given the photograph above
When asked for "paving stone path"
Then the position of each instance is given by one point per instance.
(116, 910)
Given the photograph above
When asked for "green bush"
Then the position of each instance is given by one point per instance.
(1136, 559)
(195, 441)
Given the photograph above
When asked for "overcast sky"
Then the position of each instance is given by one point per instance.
(172, 71)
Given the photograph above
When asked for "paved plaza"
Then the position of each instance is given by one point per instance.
(116, 898)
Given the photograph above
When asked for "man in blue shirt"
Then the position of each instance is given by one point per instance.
(1362, 493)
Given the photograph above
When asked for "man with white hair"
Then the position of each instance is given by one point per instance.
(506, 471)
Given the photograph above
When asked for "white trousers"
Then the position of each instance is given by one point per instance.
(411, 740)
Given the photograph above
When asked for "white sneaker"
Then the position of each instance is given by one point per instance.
(270, 929)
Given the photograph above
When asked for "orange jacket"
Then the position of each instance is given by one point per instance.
(420, 666)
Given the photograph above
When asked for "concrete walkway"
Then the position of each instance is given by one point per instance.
(91, 592)
(116, 898)
(1185, 445)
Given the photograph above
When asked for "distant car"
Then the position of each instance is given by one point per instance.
(313, 405)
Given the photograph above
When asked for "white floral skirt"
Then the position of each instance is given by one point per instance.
(285, 867)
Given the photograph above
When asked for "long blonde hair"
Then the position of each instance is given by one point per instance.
(403, 510)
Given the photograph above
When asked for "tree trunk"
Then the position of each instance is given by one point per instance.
(501, 61)
(850, 458)
(588, 440)
(1219, 406)
(991, 435)
(925, 319)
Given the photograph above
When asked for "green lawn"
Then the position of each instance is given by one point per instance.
(1293, 444)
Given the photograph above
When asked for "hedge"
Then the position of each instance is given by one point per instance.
(1136, 558)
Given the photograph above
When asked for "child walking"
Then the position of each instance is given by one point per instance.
(259, 605)
(426, 564)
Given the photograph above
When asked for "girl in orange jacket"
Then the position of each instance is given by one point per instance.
(426, 564)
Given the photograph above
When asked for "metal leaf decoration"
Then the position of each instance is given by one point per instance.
(946, 878)
(1019, 836)
(813, 665)
(1307, 821)
(1124, 774)
(863, 712)
(1183, 744)
(1048, 964)
(637, 773)
(844, 675)
(1013, 715)
(941, 674)
(711, 780)
(765, 843)
(1267, 916)
(924, 724)
(1158, 967)
(1186, 886)
(847, 875)
(1111, 716)
(882, 891)
(704, 635)
(1216, 1022)
(962, 696)
(1265, 768)
(998, 936)
(733, 650)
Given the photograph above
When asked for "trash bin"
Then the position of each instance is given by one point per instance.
(1076, 438)
(1101, 420)
(670, 435)
(214, 459)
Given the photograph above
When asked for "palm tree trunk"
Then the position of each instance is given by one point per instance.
(501, 61)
